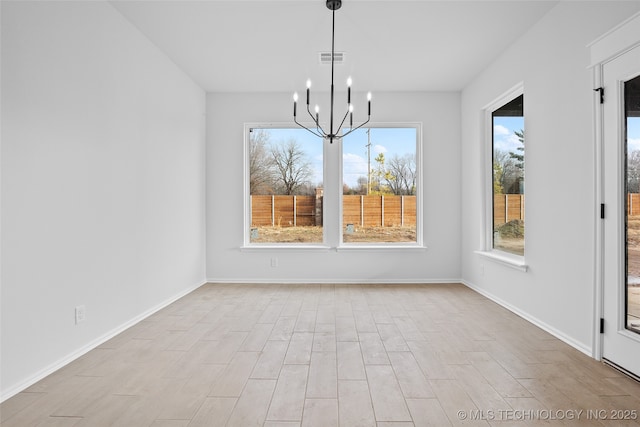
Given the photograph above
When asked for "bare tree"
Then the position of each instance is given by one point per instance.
(292, 169)
(633, 172)
(506, 172)
(260, 163)
(401, 174)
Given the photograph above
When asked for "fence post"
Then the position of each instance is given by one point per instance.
(361, 211)
(382, 209)
(317, 219)
(295, 211)
(521, 207)
(402, 211)
(506, 208)
(273, 210)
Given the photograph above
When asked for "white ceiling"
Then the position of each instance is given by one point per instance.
(257, 46)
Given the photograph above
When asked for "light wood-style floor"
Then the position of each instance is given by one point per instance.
(329, 355)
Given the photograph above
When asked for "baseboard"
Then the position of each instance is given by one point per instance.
(532, 319)
(6, 394)
(308, 281)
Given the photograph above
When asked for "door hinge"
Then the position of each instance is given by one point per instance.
(601, 90)
(601, 210)
(602, 325)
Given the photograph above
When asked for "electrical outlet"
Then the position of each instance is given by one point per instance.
(274, 262)
(80, 314)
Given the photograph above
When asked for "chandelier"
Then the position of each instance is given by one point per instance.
(334, 133)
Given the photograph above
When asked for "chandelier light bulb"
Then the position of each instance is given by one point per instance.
(349, 81)
(351, 108)
(317, 109)
(369, 96)
(295, 97)
(308, 83)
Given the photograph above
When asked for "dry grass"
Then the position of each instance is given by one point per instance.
(313, 234)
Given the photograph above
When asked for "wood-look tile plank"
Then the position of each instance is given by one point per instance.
(427, 413)
(320, 413)
(391, 338)
(480, 391)
(354, 404)
(108, 410)
(59, 422)
(271, 359)
(350, 362)
(373, 351)
(232, 380)
(388, 403)
(288, 399)
(432, 366)
(214, 412)
(346, 329)
(19, 402)
(323, 376)
(253, 404)
(306, 321)
(364, 321)
(170, 423)
(410, 377)
(324, 341)
(283, 329)
(299, 351)
(453, 398)
(257, 338)
(281, 424)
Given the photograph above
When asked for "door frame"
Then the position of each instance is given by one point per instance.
(614, 43)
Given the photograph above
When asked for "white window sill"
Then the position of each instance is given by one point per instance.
(257, 247)
(410, 247)
(503, 258)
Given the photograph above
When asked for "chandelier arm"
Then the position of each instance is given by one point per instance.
(306, 128)
(356, 128)
(341, 123)
(318, 127)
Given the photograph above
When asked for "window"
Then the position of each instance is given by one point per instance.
(507, 230)
(285, 169)
(380, 180)
(371, 197)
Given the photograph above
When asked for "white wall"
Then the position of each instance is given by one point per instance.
(440, 117)
(551, 59)
(102, 181)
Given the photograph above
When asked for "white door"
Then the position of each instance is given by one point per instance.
(621, 188)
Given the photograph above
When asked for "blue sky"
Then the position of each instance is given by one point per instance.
(400, 141)
(504, 138)
(390, 141)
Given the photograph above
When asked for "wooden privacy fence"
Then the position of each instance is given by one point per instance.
(284, 211)
(379, 211)
(507, 207)
(364, 211)
(633, 204)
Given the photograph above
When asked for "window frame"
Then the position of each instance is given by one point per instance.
(486, 247)
(332, 216)
(419, 243)
(246, 188)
